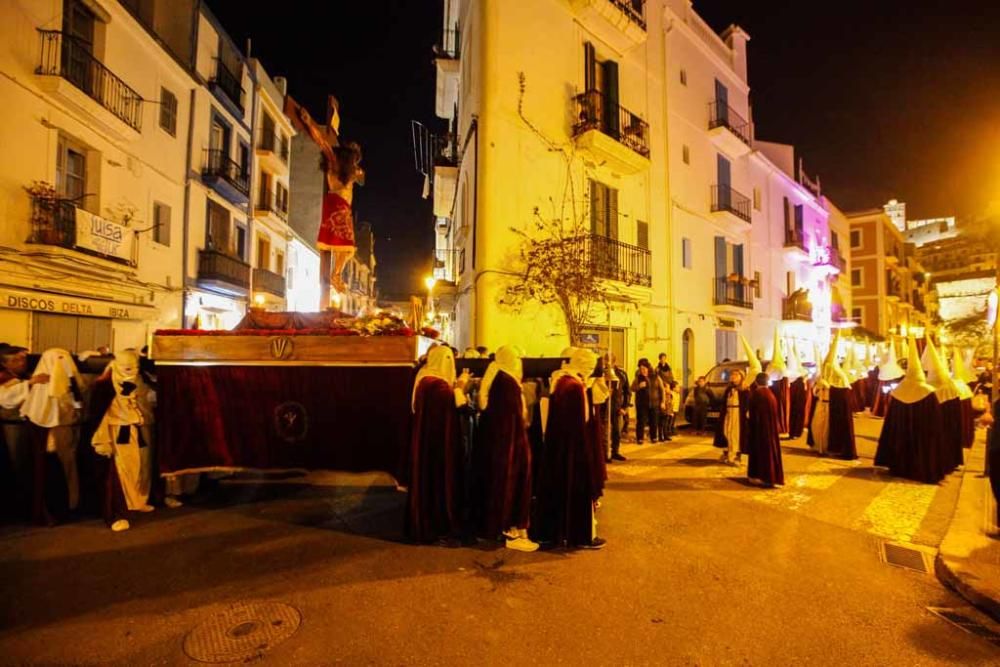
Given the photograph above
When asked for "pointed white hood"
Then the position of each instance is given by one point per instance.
(53, 404)
(962, 375)
(778, 367)
(939, 377)
(795, 367)
(890, 370)
(835, 375)
(914, 387)
(755, 366)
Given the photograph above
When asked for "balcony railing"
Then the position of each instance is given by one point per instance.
(794, 238)
(796, 309)
(266, 201)
(267, 281)
(614, 260)
(596, 112)
(220, 165)
(635, 10)
(722, 115)
(724, 198)
(65, 56)
(273, 143)
(230, 84)
(54, 222)
(217, 266)
(729, 292)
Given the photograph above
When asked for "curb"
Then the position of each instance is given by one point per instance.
(954, 581)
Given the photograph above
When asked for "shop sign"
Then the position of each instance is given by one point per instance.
(103, 236)
(66, 305)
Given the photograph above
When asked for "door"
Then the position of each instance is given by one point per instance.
(721, 268)
(721, 103)
(738, 270)
(687, 358)
(78, 47)
(725, 345)
(69, 332)
(612, 118)
(724, 179)
(217, 145)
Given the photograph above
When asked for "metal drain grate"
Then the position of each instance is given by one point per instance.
(900, 556)
(242, 633)
(967, 623)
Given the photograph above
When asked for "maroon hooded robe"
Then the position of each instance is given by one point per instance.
(502, 461)
(782, 393)
(952, 433)
(764, 442)
(433, 500)
(799, 399)
(572, 468)
(841, 440)
(859, 390)
(968, 422)
(910, 444)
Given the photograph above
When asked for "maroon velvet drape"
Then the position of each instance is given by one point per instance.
(841, 442)
(434, 494)
(782, 395)
(502, 460)
(764, 442)
(572, 469)
(798, 407)
(910, 444)
(353, 418)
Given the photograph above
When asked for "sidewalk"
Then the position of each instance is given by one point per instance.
(968, 560)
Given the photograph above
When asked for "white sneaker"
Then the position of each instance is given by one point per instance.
(172, 503)
(120, 525)
(522, 544)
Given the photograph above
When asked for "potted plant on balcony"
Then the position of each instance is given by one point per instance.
(44, 204)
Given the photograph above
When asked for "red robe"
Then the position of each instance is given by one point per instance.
(434, 495)
(968, 423)
(572, 470)
(502, 461)
(841, 441)
(910, 444)
(782, 393)
(860, 391)
(799, 402)
(764, 442)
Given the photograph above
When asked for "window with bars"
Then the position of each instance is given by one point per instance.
(168, 112)
(642, 234)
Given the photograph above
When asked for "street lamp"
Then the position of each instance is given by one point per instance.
(430, 282)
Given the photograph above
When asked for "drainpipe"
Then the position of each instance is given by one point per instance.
(254, 101)
(187, 206)
(669, 204)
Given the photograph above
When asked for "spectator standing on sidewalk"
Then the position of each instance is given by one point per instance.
(620, 401)
(701, 399)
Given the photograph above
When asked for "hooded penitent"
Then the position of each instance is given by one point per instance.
(778, 372)
(58, 402)
(910, 444)
(755, 366)
(856, 373)
(121, 435)
(799, 396)
(889, 374)
(951, 405)
(962, 378)
(502, 453)
(573, 463)
(437, 460)
(840, 414)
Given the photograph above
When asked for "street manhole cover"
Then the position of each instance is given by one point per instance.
(243, 632)
(901, 556)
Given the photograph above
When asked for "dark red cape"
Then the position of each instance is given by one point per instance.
(910, 444)
(968, 423)
(572, 468)
(720, 438)
(782, 394)
(502, 461)
(764, 441)
(841, 440)
(880, 402)
(859, 389)
(952, 433)
(799, 402)
(434, 496)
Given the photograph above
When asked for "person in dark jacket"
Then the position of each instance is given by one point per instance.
(701, 399)
(621, 396)
(648, 391)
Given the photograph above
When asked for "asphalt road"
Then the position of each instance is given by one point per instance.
(700, 568)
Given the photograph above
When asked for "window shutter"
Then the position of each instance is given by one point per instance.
(597, 209)
(738, 259)
(612, 214)
(589, 67)
(611, 115)
(787, 205)
(799, 223)
(720, 257)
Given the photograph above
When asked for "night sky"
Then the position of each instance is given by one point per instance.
(882, 98)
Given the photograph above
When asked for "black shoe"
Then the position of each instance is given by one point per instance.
(618, 457)
(609, 459)
(596, 543)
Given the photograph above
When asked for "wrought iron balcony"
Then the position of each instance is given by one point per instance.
(268, 281)
(635, 10)
(231, 86)
(794, 238)
(723, 115)
(267, 203)
(614, 260)
(227, 176)
(65, 56)
(220, 270)
(272, 143)
(595, 111)
(727, 200)
(796, 309)
(55, 222)
(733, 291)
